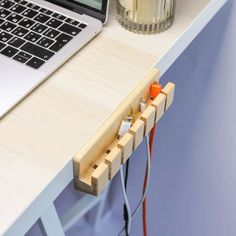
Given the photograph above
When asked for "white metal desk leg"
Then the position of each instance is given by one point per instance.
(82, 207)
(51, 222)
(96, 214)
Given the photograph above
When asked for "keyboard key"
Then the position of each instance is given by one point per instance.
(45, 42)
(33, 6)
(4, 37)
(46, 11)
(16, 42)
(41, 18)
(69, 29)
(61, 41)
(8, 26)
(32, 37)
(19, 31)
(14, 18)
(35, 63)
(25, 55)
(82, 26)
(59, 16)
(22, 2)
(18, 8)
(25, 43)
(27, 23)
(54, 23)
(51, 33)
(38, 28)
(2, 45)
(4, 13)
(6, 4)
(37, 51)
(30, 13)
(9, 51)
(72, 22)
(20, 58)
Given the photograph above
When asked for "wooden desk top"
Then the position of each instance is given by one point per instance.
(41, 135)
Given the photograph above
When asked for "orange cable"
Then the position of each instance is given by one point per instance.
(155, 90)
(144, 209)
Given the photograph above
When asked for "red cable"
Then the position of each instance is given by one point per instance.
(155, 90)
(152, 134)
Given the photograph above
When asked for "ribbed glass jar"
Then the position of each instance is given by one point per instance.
(146, 16)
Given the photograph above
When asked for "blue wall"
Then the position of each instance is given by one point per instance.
(193, 181)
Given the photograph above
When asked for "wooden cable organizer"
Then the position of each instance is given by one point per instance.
(101, 157)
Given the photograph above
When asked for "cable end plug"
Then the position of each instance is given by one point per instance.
(155, 90)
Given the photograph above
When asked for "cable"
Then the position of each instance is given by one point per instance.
(155, 90)
(147, 179)
(144, 210)
(124, 127)
(147, 183)
(126, 200)
(125, 208)
(126, 174)
(152, 135)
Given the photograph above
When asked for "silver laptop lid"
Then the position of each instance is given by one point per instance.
(95, 8)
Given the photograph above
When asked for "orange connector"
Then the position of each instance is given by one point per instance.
(155, 90)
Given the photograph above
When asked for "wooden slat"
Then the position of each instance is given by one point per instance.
(93, 151)
(169, 91)
(113, 160)
(159, 103)
(137, 130)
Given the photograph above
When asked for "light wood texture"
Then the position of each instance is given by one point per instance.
(126, 146)
(113, 160)
(159, 103)
(105, 140)
(148, 117)
(100, 178)
(93, 151)
(42, 134)
(169, 91)
(137, 130)
(94, 178)
(107, 133)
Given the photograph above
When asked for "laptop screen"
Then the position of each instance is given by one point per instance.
(94, 8)
(97, 4)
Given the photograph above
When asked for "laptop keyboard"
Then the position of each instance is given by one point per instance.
(31, 34)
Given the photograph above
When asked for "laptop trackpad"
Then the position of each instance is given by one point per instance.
(16, 80)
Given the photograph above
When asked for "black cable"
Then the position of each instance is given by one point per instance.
(125, 208)
(126, 174)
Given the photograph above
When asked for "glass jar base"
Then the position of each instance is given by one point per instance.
(146, 28)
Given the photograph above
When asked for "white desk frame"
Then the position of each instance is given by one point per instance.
(43, 206)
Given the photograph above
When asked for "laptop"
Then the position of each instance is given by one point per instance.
(38, 36)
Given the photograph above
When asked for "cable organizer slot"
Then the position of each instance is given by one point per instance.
(169, 92)
(126, 146)
(137, 130)
(148, 116)
(100, 158)
(113, 160)
(160, 104)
